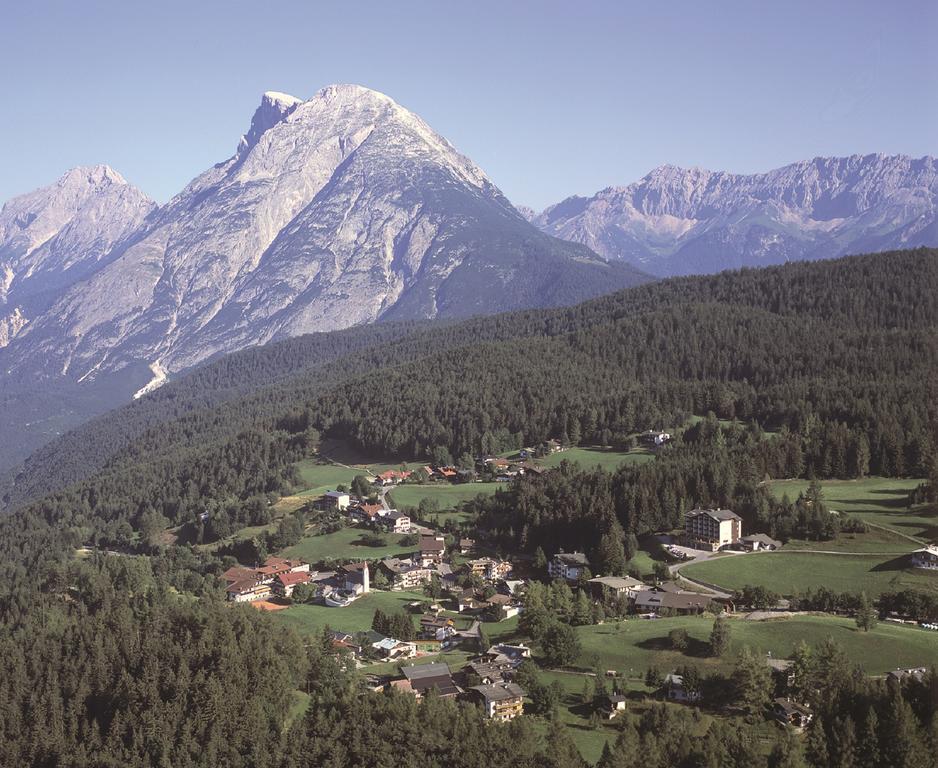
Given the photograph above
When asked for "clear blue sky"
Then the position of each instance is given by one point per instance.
(550, 98)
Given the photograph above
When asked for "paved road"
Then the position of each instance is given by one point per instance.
(699, 556)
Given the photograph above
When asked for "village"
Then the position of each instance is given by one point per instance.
(464, 592)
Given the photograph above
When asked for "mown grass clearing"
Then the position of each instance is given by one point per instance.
(345, 544)
(308, 620)
(632, 646)
(607, 458)
(790, 572)
(447, 496)
(880, 500)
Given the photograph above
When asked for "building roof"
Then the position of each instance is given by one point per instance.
(931, 549)
(572, 558)
(336, 494)
(239, 573)
(499, 691)
(762, 538)
(791, 707)
(293, 578)
(651, 598)
(423, 677)
(717, 514)
(617, 582)
(432, 544)
(421, 671)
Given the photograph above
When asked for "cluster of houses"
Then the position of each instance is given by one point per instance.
(486, 680)
(279, 577)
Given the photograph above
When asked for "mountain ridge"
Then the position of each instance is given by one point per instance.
(689, 220)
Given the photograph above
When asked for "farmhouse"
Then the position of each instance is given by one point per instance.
(247, 584)
(616, 586)
(792, 713)
(431, 550)
(567, 565)
(392, 477)
(712, 529)
(654, 439)
(927, 557)
(424, 677)
(335, 500)
(675, 690)
(490, 569)
(613, 704)
(246, 591)
(404, 574)
(366, 513)
(676, 603)
(285, 583)
(395, 522)
(501, 701)
(755, 542)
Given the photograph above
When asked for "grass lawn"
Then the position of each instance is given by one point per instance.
(607, 458)
(297, 709)
(874, 541)
(446, 495)
(357, 617)
(632, 646)
(343, 545)
(880, 500)
(790, 572)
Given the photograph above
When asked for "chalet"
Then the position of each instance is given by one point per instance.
(756, 542)
(366, 513)
(436, 627)
(393, 477)
(927, 557)
(285, 583)
(530, 468)
(616, 586)
(712, 529)
(676, 603)
(489, 569)
(674, 690)
(654, 439)
(432, 549)
(336, 500)
(470, 601)
(391, 649)
(613, 704)
(792, 713)
(425, 677)
(501, 701)
(487, 672)
(448, 473)
(502, 607)
(395, 522)
(567, 565)
(507, 655)
(247, 591)
(553, 446)
(912, 673)
(274, 566)
(404, 574)
(466, 546)
(355, 578)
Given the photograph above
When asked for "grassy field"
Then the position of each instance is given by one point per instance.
(790, 572)
(357, 617)
(345, 544)
(606, 458)
(632, 646)
(880, 500)
(874, 541)
(446, 495)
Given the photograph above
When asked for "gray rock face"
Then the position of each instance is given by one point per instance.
(681, 221)
(340, 210)
(54, 237)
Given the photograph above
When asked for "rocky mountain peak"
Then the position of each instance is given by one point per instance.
(274, 108)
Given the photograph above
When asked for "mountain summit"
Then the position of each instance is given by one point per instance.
(336, 211)
(688, 220)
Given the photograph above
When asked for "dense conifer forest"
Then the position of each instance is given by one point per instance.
(826, 370)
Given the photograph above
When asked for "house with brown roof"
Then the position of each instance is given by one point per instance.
(791, 713)
(432, 549)
(285, 583)
(500, 701)
(425, 677)
(671, 603)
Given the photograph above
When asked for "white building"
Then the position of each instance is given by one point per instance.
(567, 565)
(336, 500)
(927, 557)
(712, 529)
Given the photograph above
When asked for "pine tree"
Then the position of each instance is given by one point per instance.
(867, 616)
(719, 637)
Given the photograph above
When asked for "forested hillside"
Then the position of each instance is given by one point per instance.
(824, 370)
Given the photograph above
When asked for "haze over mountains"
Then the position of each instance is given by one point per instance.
(678, 221)
(333, 212)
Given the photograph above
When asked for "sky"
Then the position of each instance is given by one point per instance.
(549, 98)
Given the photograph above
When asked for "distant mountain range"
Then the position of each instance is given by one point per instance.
(333, 212)
(678, 221)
